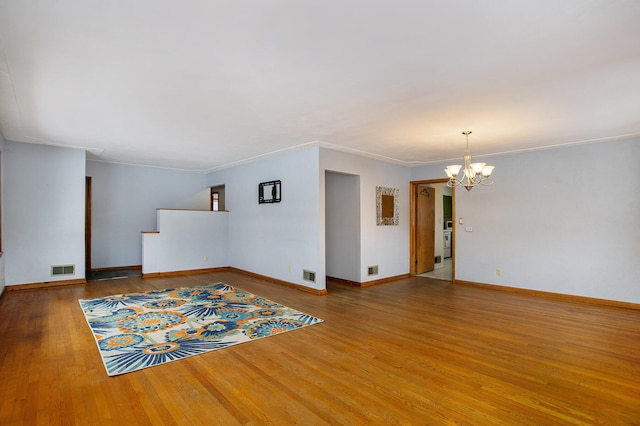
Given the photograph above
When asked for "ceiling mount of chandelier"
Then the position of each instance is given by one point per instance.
(472, 174)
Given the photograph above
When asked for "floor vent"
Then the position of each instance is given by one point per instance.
(63, 270)
(372, 270)
(308, 275)
(438, 259)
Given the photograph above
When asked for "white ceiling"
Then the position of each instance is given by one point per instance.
(202, 84)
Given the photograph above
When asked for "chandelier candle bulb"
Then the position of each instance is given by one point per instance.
(473, 173)
(486, 171)
(477, 168)
(452, 171)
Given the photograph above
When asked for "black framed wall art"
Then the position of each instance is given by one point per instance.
(270, 192)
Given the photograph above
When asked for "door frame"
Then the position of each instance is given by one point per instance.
(87, 224)
(413, 190)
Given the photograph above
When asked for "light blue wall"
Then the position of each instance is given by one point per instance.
(124, 203)
(563, 220)
(277, 240)
(280, 240)
(43, 211)
(187, 240)
(385, 246)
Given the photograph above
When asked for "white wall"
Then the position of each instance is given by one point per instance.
(277, 240)
(1, 204)
(187, 240)
(124, 203)
(342, 225)
(564, 220)
(385, 246)
(43, 211)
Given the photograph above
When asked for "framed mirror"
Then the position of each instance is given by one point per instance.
(387, 202)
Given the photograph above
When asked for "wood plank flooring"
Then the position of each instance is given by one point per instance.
(415, 351)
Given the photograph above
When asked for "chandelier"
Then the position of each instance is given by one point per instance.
(473, 173)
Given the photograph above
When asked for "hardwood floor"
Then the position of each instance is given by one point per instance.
(415, 351)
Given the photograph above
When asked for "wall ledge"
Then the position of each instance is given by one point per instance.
(193, 210)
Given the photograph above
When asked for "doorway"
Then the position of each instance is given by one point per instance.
(342, 227)
(217, 197)
(432, 251)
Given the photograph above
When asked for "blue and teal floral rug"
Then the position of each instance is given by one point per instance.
(139, 330)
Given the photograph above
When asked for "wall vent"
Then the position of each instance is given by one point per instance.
(57, 270)
(372, 270)
(308, 275)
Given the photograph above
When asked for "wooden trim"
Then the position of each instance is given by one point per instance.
(384, 280)
(453, 234)
(413, 190)
(112, 268)
(319, 292)
(88, 188)
(150, 232)
(413, 187)
(46, 284)
(344, 282)
(552, 295)
(368, 283)
(184, 272)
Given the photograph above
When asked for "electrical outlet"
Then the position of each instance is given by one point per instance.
(206, 257)
(499, 272)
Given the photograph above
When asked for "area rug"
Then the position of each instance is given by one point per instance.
(139, 330)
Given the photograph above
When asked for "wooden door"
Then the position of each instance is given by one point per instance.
(425, 229)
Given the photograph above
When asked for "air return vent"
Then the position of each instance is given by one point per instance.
(57, 270)
(372, 270)
(308, 275)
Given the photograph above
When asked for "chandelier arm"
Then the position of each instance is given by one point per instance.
(454, 182)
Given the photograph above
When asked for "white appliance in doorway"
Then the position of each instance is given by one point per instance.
(447, 243)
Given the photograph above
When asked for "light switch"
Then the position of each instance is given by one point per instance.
(460, 221)
(469, 229)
